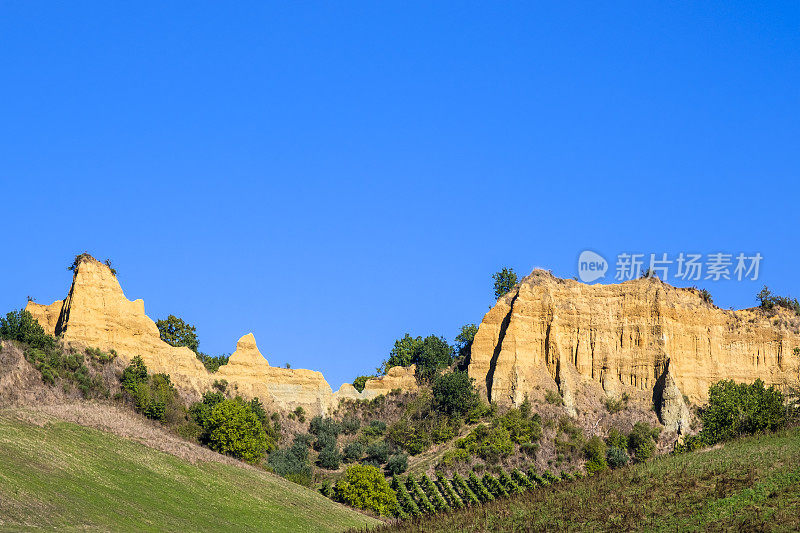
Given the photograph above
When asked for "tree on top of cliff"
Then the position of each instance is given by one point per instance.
(86, 256)
(504, 281)
(429, 354)
(176, 332)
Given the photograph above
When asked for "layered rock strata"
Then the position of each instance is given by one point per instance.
(640, 335)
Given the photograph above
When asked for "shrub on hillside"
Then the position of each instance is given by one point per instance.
(353, 452)
(292, 462)
(454, 393)
(397, 464)
(522, 429)
(233, 429)
(738, 409)
(595, 452)
(377, 453)
(553, 397)
(21, 326)
(410, 437)
(489, 443)
(641, 441)
(617, 457)
(330, 458)
(350, 424)
(453, 458)
(364, 487)
(326, 425)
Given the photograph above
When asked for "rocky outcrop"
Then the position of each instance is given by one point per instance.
(672, 409)
(96, 313)
(251, 375)
(396, 378)
(552, 333)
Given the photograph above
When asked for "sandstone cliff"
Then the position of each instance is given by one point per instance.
(397, 377)
(96, 313)
(552, 333)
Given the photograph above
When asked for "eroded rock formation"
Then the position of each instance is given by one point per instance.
(552, 333)
(397, 377)
(96, 313)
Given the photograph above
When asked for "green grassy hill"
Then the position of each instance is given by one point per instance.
(64, 476)
(750, 484)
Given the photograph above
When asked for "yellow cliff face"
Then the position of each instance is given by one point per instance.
(96, 313)
(290, 388)
(641, 335)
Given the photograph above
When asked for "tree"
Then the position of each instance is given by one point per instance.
(176, 332)
(464, 341)
(454, 392)
(429, 354)
(364, 487)
(403, 353)
(738, 408)
(21, 326)
(232, 428)
(360, 382)
(765, 298)
(433, 355)
(504, 281)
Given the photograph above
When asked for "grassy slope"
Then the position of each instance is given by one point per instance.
(748, 484)
(66, 476)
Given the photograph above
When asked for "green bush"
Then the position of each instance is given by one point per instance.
(351, 424)
(489, 443)
(454, 457)
(324, 440)
(617, 439)
(330, 458)
(360, 382)
(617, 457)
(553, 397)
(397, 464)
(21, 326)
(231, 428)
(327, 425)
(410, 437)
(364, 487)
(429, 354)
(353, 452)
(521, 429)
(641, 441)
(377, 453)
(176, 332)
(739, 409)
(292, 462)
(376, 428)
(454, 393)
(595, 452)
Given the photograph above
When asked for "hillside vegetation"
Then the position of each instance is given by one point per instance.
(747, 484)
(66, 477)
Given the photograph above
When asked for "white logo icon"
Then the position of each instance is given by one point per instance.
(591, 266)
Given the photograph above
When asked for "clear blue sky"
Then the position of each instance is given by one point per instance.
(331, 175)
